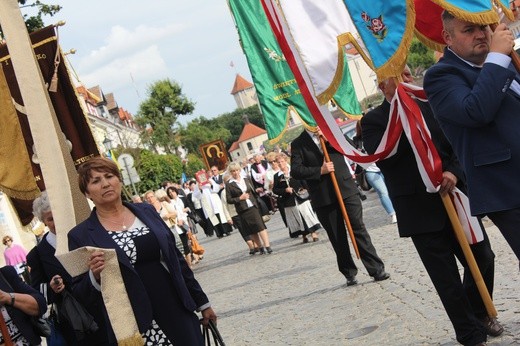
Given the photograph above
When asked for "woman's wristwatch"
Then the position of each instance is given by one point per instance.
(11, 294)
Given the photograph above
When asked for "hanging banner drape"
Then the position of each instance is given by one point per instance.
(278, 93)
(70, 115)
(16, 180)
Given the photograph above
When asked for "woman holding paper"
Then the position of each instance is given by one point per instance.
(161, 288)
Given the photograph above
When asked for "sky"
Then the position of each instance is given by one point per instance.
(125, 46)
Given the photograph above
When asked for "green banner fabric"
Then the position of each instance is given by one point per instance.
(277, 90)
(345, 97)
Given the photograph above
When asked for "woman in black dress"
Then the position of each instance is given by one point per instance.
(240, 192)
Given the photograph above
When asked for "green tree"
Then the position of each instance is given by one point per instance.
(159, 114)
(235, 121)
(200, 131)
(193, 165)
(153, 169)
(35, 21)
(420, 57)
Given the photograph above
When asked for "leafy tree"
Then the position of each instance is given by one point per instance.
(159, 114)
(193, 165)
(153, 169)
(35, 22)
(420, 57)
(200, 131)
(235, 121)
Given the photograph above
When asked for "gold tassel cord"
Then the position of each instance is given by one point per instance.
(482, 18)
(53, 86)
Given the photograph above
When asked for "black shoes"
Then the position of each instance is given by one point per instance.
(351, 281)
(269, 250)
(492, 326)
(381, 276)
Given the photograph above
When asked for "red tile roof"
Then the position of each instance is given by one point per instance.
(250, 131)
(111, 101)
(233, 147)
(240, 84)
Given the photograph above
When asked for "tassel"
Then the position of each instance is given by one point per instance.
(135, 340)
(53, 87)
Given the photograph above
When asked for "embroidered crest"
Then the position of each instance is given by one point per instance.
(376, 26)
(273, 55)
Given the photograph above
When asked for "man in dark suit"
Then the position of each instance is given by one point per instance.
(307, 163)
(217, 178)
(422, 216)
(475, 96)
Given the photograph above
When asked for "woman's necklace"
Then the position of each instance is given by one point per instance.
(118, 225)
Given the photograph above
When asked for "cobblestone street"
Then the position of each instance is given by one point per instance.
(296, 296)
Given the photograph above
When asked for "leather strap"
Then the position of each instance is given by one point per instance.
(5, 332)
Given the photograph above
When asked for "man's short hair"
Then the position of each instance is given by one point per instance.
(447, 18)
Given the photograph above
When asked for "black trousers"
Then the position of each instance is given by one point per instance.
(460, 298)
(508, 222)
(332, 220)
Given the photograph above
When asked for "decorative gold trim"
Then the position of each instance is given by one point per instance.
(507, 11)
(483, 18)
(429, 42)
(35, 45)
(345, 113)
(395, 65)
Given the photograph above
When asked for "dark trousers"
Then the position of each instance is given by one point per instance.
(461, 299)
(508, 222)
(332, 220)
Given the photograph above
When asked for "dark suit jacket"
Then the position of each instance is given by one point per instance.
(233, 193)
(44, 265)
(13, 283)
(480, 116)
(91, 233)
(417, 211)
(306, 162)
(254, 168)
(280, 183)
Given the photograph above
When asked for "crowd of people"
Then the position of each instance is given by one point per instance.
(474, 98)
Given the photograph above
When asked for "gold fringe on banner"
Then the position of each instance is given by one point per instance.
(16, 176)
(290, 110)
(482, 18)
(329, 93)
(507, 10)
(428, 42)
(395, 65)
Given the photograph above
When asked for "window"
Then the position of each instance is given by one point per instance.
(249, 146)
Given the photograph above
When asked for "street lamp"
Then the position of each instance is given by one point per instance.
(107, 143)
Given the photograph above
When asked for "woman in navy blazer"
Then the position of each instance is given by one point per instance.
(21, 302)
(161, 287)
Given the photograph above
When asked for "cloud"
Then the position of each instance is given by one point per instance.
(115, 74)
(123, 42)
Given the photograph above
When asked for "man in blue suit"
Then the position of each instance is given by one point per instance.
(475, 96)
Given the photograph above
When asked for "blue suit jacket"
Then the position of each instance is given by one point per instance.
(480, 116)
(13, 283)
(91, 233)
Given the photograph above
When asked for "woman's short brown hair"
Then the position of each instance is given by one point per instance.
(6, 239)
(99, 164)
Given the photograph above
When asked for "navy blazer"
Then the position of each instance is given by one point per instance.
(306, 162)
(417, 211)
(13, 283)
(44, 265)
(91, 233)
(480, 116)
(233, 193)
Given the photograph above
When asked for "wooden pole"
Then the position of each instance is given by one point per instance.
(340, 198)
(515, 59)
(468, 254)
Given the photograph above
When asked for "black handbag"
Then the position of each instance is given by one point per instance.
(361, 179)
(41, 326)
(302, 195)
(195, 217)
(211, 332)
(70, 310)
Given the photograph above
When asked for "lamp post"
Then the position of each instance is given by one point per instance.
(107, 143)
